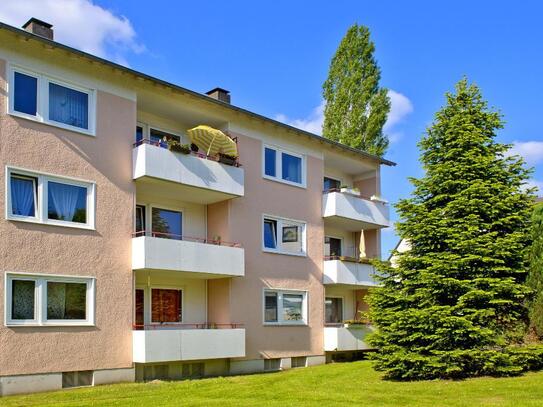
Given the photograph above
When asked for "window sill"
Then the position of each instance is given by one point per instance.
(39, 222)
(283, 324)
(49, 325)
(283, 252)
(282, 181)
(53, 123)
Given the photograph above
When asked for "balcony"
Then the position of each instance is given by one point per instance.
(354, 213)
(346, 338)
(348, 271)
(202, 258)
(163, 343)
(197, 178)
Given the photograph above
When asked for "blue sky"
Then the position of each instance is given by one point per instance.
(274, 57)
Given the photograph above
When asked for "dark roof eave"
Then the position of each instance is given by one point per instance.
(201, 96)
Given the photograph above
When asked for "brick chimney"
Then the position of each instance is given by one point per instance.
(220, 94)
(39, 27)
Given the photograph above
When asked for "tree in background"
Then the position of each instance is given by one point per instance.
(535, 275)
(450, 307)
(356, 107)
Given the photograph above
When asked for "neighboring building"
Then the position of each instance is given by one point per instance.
(122, 260)
(402, 246)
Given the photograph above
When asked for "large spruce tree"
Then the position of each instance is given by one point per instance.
(356, 107)
(535, 275)
(450, 307)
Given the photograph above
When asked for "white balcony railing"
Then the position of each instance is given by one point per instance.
(353, 212)
(214, 259)
(346, 338)
(348, 272)
(166, 344)
(201, 180)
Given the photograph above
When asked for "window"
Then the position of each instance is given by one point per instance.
(23, 195)
(166, 305)
(66, 300)
(34, 299)
(67, 202)
(25, 96)
(333, 310)
(283, 236)
(62, 105)
(139, 134)
(167, 224)
(68, 106)
(161, 138)
(285, 307)
(284, 166)
(48, 199)
(140, 220)
(331, 184)
(269, 162)
(332, 246)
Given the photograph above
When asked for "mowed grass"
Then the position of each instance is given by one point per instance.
(328, 385)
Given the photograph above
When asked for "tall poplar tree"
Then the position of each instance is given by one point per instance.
(449, 308)
(356, 107)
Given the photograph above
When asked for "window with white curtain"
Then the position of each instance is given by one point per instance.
(39, 299)
(283, 236)
(283, 166)
(41, 198)
(39, 97)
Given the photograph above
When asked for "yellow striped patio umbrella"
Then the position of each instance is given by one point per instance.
(212, 140)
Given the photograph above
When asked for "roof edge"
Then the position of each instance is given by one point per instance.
(201, 96)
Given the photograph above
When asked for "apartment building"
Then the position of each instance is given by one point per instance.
(123, 259)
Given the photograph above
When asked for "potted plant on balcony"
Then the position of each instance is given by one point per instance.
(359, 323)
(227, 159)
(350, 190)
(175, 146)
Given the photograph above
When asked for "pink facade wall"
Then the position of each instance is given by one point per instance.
(103, 253)
(267, 270)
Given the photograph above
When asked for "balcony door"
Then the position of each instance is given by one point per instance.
(332, 246)
(331, 184)
(167, 223)
(140, 307)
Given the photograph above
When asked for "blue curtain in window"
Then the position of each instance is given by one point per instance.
(269, 162)
(22, 196)
(270, 236)
(292, 168)
(68, 106)
(64, 199)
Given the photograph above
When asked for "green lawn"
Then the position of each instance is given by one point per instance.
(337, 384)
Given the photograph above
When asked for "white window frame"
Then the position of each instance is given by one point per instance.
(280, 321)
(42, 103)
(40, 299)
(279, 249)
(147, 127)
(41, 202)
(150, 304)
(279, 166)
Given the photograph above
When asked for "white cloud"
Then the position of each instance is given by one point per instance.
(78, 23)
(312, 123)
(533, 183)
(532, 151)
(401, 106)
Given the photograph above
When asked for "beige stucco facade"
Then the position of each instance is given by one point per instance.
(211, 215)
